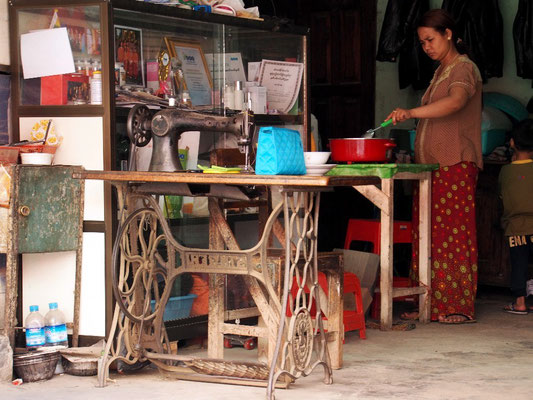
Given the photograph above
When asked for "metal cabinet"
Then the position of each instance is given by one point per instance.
(44, 215)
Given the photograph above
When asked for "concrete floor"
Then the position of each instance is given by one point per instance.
(491, 359)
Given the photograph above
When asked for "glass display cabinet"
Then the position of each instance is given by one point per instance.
(86, 64)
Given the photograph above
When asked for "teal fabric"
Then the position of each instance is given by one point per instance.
(279, 152)
(384, 171)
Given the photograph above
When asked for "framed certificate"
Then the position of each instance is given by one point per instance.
(194, 68)
(282, 80)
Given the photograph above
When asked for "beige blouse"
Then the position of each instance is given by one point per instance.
(456, 137)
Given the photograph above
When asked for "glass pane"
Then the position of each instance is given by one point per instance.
(184, 58)
(83, 28)
(171, 57)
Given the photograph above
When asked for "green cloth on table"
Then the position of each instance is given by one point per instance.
(384, 171)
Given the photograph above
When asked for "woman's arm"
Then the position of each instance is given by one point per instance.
(455, 101)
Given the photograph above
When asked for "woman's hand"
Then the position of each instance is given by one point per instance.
(399, 115)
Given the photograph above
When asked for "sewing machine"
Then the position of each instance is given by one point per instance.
(166, 126)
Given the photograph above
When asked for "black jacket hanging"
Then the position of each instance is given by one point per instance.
(480, 25)
(523, 39)
(398, 39)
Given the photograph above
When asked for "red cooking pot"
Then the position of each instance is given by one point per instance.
(361, 149)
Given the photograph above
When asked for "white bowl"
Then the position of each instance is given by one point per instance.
(36, 158)
(316, 157)
(318, 170)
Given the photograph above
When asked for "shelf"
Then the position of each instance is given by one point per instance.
(81, 110)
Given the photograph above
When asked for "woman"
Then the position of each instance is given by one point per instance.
(449, 134)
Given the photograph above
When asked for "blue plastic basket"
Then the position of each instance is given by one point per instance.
(509, 105)
(177, 307)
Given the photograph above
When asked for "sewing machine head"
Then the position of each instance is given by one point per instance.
(166, 126)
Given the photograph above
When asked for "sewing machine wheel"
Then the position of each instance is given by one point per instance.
(137, 274)
(138, 125)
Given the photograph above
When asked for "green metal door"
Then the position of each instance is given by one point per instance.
(48, 209)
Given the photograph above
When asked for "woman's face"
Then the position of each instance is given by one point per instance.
(435, 44)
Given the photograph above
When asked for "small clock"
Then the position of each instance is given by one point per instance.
(163, 60)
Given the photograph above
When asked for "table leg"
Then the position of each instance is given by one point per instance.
(386, 256)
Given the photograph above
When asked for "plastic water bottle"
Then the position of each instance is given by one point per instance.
(34, 325)
(55, 327)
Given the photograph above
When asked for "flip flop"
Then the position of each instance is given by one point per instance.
(468, 320)
(405, 317)
(512, 310)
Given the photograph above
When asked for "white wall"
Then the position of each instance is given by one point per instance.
(4, 34)
(50, 277)
(389, 96)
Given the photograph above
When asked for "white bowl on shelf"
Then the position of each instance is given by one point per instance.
(36, 158)
(318, 170)
(316, 157)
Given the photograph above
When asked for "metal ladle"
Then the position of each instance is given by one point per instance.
(370, 133)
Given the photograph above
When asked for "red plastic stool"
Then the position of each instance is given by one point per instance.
(352, 320)
(367, 230)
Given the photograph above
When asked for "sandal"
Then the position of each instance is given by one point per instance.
(410, 316)
(510, 308)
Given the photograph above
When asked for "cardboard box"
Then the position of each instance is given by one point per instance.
(64, 89)
(365, 266)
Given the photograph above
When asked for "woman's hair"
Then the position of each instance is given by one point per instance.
(440, 20)
(522, 134)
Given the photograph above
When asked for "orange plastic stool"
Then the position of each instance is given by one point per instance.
(352, 320)
(368, 230)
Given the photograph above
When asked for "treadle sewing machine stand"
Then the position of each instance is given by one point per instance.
(138, 333)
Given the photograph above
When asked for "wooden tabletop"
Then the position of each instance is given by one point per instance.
(228, 179)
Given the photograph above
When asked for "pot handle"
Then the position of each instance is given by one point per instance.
(390, 144)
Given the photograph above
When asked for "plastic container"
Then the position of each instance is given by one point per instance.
(177, 307)
(34, 325)
(96, 88)
(229, 97)
(239, 96)
(36, 158)
(491, 139)
(55, 327)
